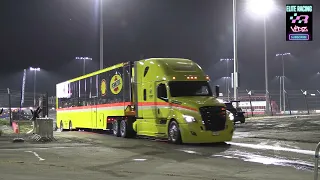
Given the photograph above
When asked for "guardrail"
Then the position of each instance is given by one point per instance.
(316, 162)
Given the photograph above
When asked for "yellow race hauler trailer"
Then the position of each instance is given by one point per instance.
(158, 97)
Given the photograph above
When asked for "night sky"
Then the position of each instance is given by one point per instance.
(50, 33)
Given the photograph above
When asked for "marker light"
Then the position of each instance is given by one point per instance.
(192, 77)
(207, 77)
(173, 78)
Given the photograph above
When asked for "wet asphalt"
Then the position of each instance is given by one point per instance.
(269, 148)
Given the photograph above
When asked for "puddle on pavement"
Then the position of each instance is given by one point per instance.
(251, 157)
(272, 147)
(283, 125)
(241, 134)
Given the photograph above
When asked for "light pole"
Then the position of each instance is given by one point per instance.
(280, 77)
(34, 83)
(283, 79)
(227, 86)
(84, 62)
(255, 6)
(227, 71)
(101, 35)
(235, 50)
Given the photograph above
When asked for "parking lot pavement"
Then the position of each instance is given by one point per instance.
(251, 155)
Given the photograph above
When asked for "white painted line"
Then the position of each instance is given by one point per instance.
(29, 132)
(189, 151)
(37, 155)
(140, 160)
(36, 148)
(275, 148)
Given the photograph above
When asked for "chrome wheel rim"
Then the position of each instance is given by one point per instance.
(123, 127)
(173, 133)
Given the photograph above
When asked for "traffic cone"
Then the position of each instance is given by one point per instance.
(15, 127)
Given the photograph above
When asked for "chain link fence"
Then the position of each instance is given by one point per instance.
(290, 102)
(10, 101)
(295, 102)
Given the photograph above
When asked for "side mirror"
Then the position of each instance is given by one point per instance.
(1, 111)
(217, 91)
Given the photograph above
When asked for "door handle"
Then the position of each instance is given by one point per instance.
(158, 111)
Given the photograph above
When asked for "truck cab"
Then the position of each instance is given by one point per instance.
(173, 99)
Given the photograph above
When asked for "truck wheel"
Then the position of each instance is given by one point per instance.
(116, 128)
(174, 135)
(70, 126)
(61, 126)
(243, 121)
(124, 129)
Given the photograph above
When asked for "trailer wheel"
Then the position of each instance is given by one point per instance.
(61, 126)
(174, 135)
(124, 128)
(116, 128)
(70, 126)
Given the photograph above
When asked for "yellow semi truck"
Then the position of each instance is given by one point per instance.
(158, 97)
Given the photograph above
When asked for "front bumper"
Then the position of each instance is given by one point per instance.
(192, 133)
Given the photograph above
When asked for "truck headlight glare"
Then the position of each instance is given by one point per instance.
(189, 119)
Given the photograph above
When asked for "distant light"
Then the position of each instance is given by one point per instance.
(83, 58)
(283, 54)
(34, 69)
(173, 78)
(260, 7)
(226, 59)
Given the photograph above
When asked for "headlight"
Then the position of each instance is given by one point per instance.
(231, 116)
(189, 119)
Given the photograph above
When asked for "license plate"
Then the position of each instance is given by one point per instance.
(215, 133)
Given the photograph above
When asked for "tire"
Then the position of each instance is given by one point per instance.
(124, 129)
(243, 121)
(174, 134)
(116, 128)
(70, 126)
(61, 126)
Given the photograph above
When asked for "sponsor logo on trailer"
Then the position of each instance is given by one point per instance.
(103, 87)
(116, 84)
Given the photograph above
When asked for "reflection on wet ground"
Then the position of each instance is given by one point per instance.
(280, 161)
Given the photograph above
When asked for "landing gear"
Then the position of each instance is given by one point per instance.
(61, 126)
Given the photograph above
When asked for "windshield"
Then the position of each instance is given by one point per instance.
(189, 88)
